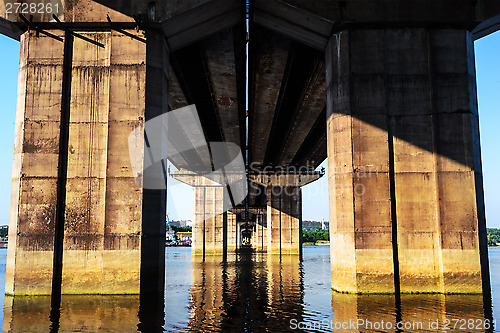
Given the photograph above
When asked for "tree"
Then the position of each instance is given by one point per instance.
(4, 230)
(312, 236)
(493, 236)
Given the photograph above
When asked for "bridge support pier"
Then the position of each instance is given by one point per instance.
(406, 196)
(75, 200)
(214, 229)
(208, 222)
(260, 239)
(283, 220)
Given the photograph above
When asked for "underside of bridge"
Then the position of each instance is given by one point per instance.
(384, 89)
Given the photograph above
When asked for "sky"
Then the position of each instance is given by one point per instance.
(314, 195)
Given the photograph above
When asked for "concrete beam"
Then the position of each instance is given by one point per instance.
(312, 151)
(211, 180)
(10, 29)
(251, 210)
(294, 22)
(221, 63)
(270, 56)
(487, 27)
(284, 180)
(201, 22)
(429, 13)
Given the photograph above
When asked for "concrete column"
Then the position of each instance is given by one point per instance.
(208, 220)
(107, 215)
(34, 173)
(263, 232)
(153, 201)
(231, 232)
(406, 201)
(260, 239)
(209, 203)
(283, 210)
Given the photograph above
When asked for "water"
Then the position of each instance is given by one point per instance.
(252, 293)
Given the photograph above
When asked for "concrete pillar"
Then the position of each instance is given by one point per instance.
(406, 200)
(208, 236)
(214, 229)
(260, 239)
(231, 232)
(153, 201)
(107, 216)
(283, 220)
(34, 173)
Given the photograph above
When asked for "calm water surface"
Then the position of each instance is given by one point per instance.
(251, 293)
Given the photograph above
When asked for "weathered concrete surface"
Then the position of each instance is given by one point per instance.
(34, 175)
(208, 235)
(269, 67)
(283, 220)
(312, 22)
(419, 79)
(104, 220)
(259, 241)
(209, 202)
(403, 142)
(102, 251)
(232, 231)
(67, 11)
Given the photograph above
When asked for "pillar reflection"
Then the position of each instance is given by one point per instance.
(411, 313)
(78, 314)
(250, 292)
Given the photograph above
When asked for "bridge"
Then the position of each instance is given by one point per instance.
(385, 89)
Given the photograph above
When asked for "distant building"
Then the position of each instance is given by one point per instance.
(185, 237)
(182, 223)
(315, 225)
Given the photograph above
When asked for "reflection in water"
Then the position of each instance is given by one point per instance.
(263, 294)
(78, 314)
(251, 293)
(419, 313)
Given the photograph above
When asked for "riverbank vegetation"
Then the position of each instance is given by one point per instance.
(180, 229)
(493, 236)
(312, 236)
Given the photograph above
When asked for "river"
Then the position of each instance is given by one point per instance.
(254, 293)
